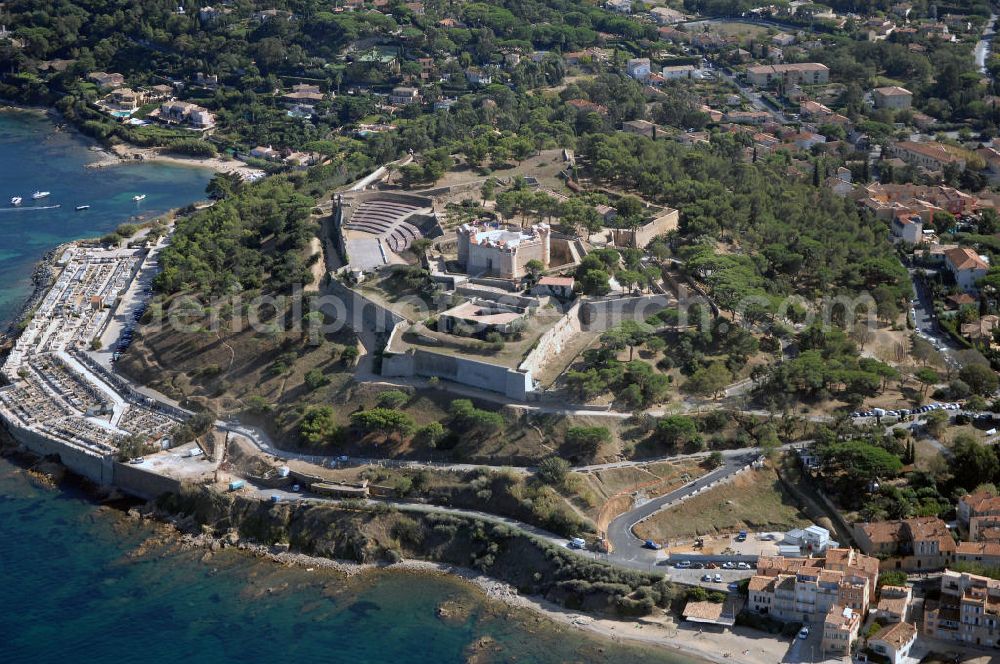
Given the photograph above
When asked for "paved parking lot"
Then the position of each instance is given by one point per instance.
(693, 576)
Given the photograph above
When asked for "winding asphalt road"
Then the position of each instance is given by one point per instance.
(627, 549)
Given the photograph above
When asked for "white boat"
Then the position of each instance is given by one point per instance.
(16, 200)
(39, 194)
(82, 207)
(138, 197)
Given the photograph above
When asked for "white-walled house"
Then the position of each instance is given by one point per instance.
(894, 642)
(966, 266)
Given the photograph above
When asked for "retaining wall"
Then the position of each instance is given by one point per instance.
(143, 483)
(606, 313)
(552, 343)
(474, 373)
(362, 313)
(96, 468)
(710, 558)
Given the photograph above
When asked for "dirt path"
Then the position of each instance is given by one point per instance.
(319, 267)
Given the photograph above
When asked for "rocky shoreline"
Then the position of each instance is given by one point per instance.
(180, 529)
(41, 280)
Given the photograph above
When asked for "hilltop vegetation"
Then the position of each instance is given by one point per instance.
(790, 237)
(247, 242)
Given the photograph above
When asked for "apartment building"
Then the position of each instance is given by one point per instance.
(805, 589)
(978, 511)
(916, 544)
(968, 610)
(986, 554)
(840, 629)
(801, 73)
(930, 155)
(892, 97)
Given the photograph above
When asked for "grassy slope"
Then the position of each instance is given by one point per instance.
(755, 500)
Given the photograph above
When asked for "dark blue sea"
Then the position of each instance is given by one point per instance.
(83, 583)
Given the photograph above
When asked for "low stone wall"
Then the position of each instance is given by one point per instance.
(416, 199)
(702, 489)
(454, 189)
(505, 284)
(514, 299)
(638, 238)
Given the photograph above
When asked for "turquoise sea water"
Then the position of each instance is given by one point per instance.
(74, 586)
(34, 157)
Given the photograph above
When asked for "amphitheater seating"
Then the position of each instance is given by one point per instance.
(387, 220)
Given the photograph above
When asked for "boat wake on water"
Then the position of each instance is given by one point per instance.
(30, 208)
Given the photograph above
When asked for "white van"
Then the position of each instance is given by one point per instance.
(578, 543)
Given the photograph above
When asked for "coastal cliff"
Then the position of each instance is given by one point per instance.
(381, 535)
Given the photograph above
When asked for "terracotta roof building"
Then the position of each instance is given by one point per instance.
(979, 512)
(968, 610)
(967, 267)
(920, 543)
(805, 589)
(803, 72)
(930, 155)
(894, 642)
(840, 629)
(893, 604)
(986, 554)
(893, 97)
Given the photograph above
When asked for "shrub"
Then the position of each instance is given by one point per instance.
(392, 398)
(384, 420)
(588, 439)
(318, 426)
(193, 147)
(315, 379)
(553, 470)
(431, 434)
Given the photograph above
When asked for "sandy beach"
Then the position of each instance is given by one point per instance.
(121, 155)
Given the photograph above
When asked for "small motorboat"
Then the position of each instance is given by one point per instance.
(16, 200)
(138, 197)
(40, 194)
(82, 207)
